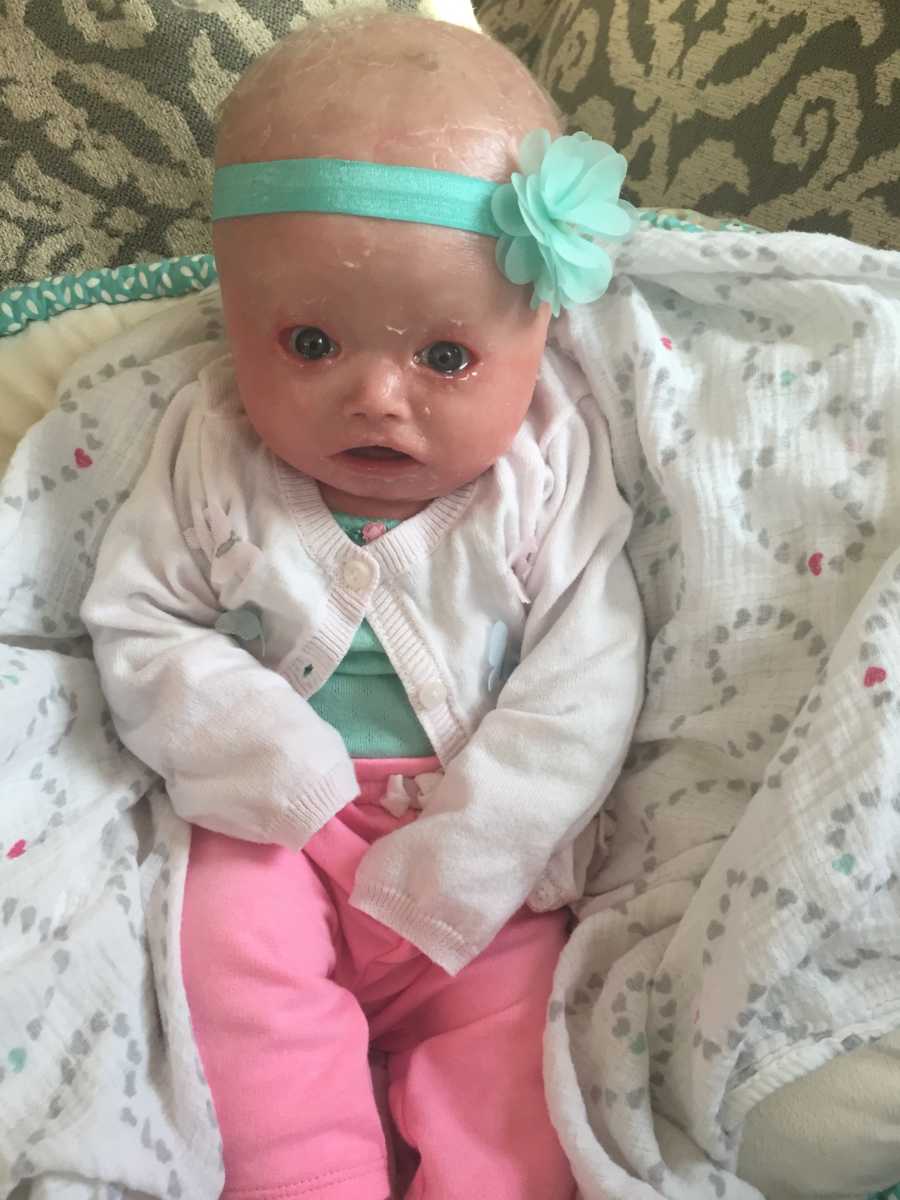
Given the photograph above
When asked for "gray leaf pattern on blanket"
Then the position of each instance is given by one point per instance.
(94, 1032)
(743, 917)
(742, 924)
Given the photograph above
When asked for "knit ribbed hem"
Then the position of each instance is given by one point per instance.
(442, 944)
(416, 537)
(318, 530)
(307, 669)
(394, 552)
(323, 538)
(443, 723)
(314, 805)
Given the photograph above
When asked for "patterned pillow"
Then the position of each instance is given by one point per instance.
(106, 120)
(784, 113)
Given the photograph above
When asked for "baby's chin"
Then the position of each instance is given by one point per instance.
(395, 491)
(362, 504)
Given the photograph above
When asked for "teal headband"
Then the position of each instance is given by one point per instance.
(545, 219)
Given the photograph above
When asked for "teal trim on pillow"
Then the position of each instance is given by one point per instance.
(169, 277)
(661, 218)
(46, 298)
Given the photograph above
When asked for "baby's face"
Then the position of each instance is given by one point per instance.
(390, 361)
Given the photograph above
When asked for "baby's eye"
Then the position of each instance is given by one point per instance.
(447, 358)
(310, 342)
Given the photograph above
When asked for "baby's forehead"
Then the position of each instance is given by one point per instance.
(388, 88)
(364, 270)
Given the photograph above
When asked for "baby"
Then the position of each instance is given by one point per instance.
(368, 614)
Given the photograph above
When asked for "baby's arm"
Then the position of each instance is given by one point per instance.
(543, 761)
(241, 753)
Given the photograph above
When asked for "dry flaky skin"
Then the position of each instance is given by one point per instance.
(400, 91)
(387, 87)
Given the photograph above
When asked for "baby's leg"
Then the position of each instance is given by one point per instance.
(466, 1072)
(285, 1049)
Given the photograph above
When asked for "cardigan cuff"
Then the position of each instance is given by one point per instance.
(315, 805)
(437, 940)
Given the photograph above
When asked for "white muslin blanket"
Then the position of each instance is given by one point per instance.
(101, 1091)
(745, 926)
(742, 928)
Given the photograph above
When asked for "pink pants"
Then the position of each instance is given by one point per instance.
(288, 986)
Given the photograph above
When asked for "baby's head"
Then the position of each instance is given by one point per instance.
(390, 360)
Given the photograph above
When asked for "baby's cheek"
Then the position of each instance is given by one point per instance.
(479, 444)
(271, 419)
(280, 438)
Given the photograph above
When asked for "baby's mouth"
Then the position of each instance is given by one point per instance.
(385, 460)
(378, 453)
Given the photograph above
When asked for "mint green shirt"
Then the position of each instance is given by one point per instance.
(364, 699)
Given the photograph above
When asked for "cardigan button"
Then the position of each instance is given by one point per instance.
(432, 693)
(356, 575)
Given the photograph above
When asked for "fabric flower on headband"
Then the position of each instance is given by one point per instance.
(567, 195)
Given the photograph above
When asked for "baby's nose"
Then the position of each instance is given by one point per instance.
(377, 390)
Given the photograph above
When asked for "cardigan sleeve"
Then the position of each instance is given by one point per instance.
(543, 761)
(240, 751)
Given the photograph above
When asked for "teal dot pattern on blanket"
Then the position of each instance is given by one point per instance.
(46, 298)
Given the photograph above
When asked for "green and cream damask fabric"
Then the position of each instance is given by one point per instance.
(107, 111)
(785, 113)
